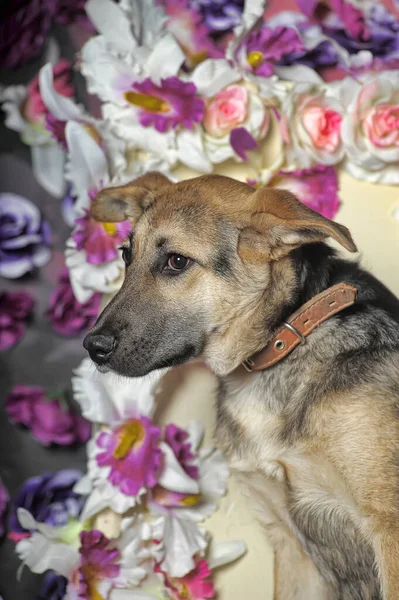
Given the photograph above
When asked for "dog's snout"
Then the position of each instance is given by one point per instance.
(100, 347)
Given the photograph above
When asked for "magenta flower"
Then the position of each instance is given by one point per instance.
(170, 104)
(317, 188)
(4, 498)
(57, 129)
(196, 585)
(99, 240)
(15, 309)
(132, 453)
(51, 421)
(270, 45)
(176, 438)
(98, 565)
(68, 316)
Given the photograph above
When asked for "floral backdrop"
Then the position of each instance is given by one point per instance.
(95, 94)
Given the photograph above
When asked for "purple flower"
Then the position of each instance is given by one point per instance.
(99, 240)
(132, 453)
(49, 498)
(53, 587)
(3, 507)
(219, 16)
(24, 236)
(383, 39)
(98, 565)
(15, 309)
(317, 188)
(57, 129)
(346, 16)
(50, 420)
(270, 45)
(176, 438)
(68, 316)
(172, 103)
(24, 26)
(72, 11)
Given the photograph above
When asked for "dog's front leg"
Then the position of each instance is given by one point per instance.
(295, 575)
(386, 546)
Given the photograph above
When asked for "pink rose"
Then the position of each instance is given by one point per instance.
(311, 127)
(370, 128)
(324, 126)
(381, 125)
(226, 111)
(34, 110)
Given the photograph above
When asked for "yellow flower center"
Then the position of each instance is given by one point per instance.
(184, 592)
(90, 575)
(129, 435)
(255, 58)
(150, 103)
(109, 228)
(190, 500)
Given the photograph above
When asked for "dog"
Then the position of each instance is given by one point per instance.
(216, 269)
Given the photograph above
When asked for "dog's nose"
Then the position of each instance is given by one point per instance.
(100, 347)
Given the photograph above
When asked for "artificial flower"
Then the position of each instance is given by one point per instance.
(219, 17)
(49, 498)
(51, 421)
(337, 14)
(132, 454)
(24, 236)
(15, 310)
(68, 208)
(178, 439)
(100, 241)
(24, 28)
(53, 587)
(61, 109)
(46, 547)
(370, 128)
(179, 506)
(107, 399)
(171, 103)
(4, 498)
(98, 566)
(187, 25)
(311, 119)
(232, 108)
(317, 188)
(69, 317)
(89, 173)
(196, 585)
(267, 47)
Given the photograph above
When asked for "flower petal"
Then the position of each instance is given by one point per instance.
(41, 554)
(61, 107)
(221, 553)
(48, 167)
(212, 75)
(173, 475)
(165, 60)
(190, 150)
(110, 21)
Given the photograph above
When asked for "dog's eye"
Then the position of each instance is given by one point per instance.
(126, 255)
(177, 262)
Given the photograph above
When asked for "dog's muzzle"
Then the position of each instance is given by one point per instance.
(99, 347)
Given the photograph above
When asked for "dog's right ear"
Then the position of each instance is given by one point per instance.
(128, 201)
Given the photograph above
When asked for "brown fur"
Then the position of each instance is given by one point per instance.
(315, 438)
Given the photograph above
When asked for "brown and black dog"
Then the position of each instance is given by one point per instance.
(213, 269)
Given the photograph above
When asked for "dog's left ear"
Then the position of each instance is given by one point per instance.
(128, 201)
(278, 223)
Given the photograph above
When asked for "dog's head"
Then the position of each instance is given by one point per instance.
(208, 263)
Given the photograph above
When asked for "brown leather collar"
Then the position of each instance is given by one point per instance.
(301, 323)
